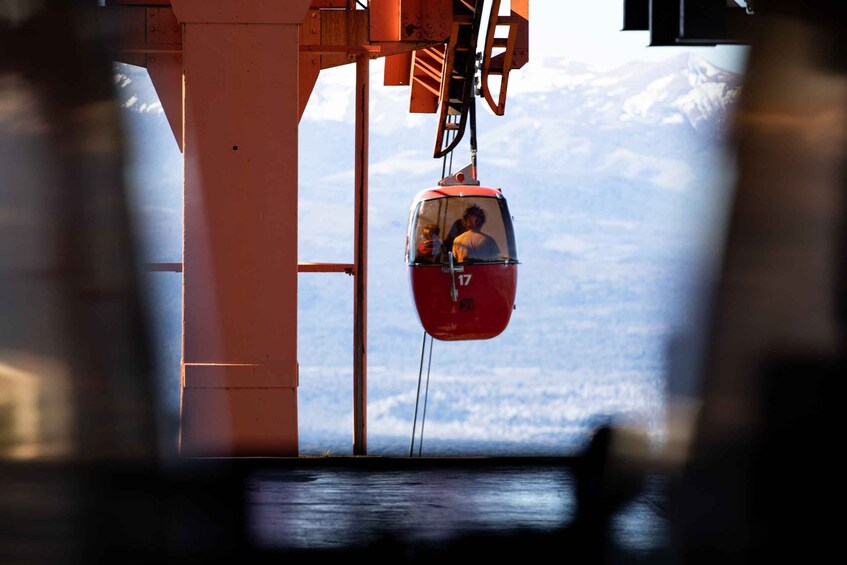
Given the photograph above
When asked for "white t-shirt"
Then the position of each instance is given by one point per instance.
(474, 245)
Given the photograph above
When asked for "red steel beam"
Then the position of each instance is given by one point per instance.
(348, 268)
(360, 258)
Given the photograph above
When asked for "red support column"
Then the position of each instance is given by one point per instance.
(360, 299)
(241, 113)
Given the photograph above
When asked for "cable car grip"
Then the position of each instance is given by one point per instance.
(454, 291)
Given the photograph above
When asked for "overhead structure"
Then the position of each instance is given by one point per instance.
(234, 79)
(441, 77)
(501, 55)
(691, 22)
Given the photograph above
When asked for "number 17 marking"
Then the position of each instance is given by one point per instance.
(464, 280)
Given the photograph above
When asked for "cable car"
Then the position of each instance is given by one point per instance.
(461, 259)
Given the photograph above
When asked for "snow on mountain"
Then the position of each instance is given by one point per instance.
(682, 89)
(615, 178)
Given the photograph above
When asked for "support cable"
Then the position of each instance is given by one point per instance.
(442, 148)
(471, 110)
(444, 168)
(426, 396)
(418, 397)
(472, 116)
(450, 171)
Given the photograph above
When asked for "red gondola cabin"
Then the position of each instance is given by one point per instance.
(462, 259)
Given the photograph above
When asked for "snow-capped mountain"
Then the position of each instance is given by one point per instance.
(615, 178)
(684, 89)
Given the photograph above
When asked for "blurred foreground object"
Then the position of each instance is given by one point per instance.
(73, 344)
(83, 481)
(759, 481)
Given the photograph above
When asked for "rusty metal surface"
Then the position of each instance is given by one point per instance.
(398, 69)
(310, 63)
(425, 85)
(348, 268)
(384, 20)
(243, 12)
(457, 89)
(514, 54)
(360, 260)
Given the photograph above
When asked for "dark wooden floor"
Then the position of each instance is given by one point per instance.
(421, 508)
(320, 509)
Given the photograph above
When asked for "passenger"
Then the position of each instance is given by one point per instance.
(473, 245)
(430, 247)
(457, 228)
